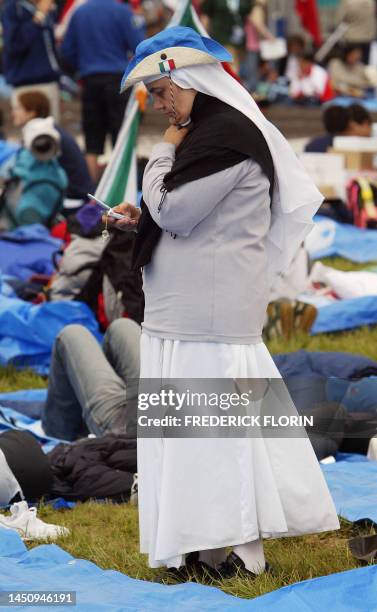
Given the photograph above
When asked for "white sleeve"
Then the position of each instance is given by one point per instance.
(181, 209)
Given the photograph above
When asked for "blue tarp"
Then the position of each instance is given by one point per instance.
(27, 250)
(28, 331)
(22, 396)
(12, 419)
(7, 149)
(29, 403)
(330, 238)
(48, 567)
(369, 103)
(353, 486)
(346, 314)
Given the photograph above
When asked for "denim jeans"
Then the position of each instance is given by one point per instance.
(92, 389)
(251, 68)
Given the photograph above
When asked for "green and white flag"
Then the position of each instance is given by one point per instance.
(119, 180)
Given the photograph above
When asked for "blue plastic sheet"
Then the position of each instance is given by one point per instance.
(7, 149)
(330, 238)
(28, 331)
(346, 314)
(369, 103)
(352, 591)
(48, 567)
(29, 403)
(353, 486)
(24, 396)
(12, 419)
(28, 250)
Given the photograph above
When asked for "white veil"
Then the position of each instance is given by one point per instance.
(295, 198)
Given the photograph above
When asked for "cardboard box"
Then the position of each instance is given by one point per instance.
(328, 191)
(327, 172)
(356, 160)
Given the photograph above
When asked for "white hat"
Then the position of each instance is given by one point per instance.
(36, 128)
(173, 48)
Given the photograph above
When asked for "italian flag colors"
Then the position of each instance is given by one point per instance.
(167, 65)
(119, 180)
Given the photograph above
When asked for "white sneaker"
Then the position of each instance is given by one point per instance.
(134, 491)
(24, 520)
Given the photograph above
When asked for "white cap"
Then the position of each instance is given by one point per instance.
(40, 127)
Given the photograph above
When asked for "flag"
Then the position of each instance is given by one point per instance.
(308, 13)
(119, 180)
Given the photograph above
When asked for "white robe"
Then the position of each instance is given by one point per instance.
(198, 494)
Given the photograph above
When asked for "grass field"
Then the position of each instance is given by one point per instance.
(108, 534)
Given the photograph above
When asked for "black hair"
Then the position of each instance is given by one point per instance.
(308, 56)
(359, 114)
(336, 119)
(298, 39)
(349, 49)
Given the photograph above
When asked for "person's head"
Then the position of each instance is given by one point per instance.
(29, 105)
(305, 62)
(352, 55)
(360, 121)
(41, 138)
(336, 120)
(173, 101)
(296, 44)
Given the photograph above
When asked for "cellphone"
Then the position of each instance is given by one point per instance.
(106, 207)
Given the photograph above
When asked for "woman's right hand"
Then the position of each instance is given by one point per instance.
(131, 217)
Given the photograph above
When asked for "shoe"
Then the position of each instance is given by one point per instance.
(24, 520)
(200, 571)
(234, 566)
(280, 320)
(134, 495)
(194, 570)
(304, 316)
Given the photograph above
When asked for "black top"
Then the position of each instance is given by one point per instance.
(28, 463)
(73, 162)
(320, 144)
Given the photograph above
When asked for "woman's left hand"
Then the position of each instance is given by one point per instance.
(175, 136)
(131, 217)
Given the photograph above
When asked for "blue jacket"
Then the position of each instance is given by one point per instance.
(29, 53)
(43, 185)
(100, 37)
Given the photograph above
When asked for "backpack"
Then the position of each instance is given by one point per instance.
(362, 198)
(113, 289)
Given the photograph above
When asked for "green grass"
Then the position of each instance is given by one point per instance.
(13, 380)
(107, 534)
(347, 266)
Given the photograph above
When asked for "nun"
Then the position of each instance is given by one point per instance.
(226, 204)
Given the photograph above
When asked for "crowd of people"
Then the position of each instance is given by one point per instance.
(44, 42)
(257, 210)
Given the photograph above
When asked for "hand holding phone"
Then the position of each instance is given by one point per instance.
(124, 217)
(106, 207)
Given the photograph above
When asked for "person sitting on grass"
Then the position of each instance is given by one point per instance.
(35, 104)
(341, 121)
(312, 84)
(349, 76)
(35, 186)
(91, 390)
